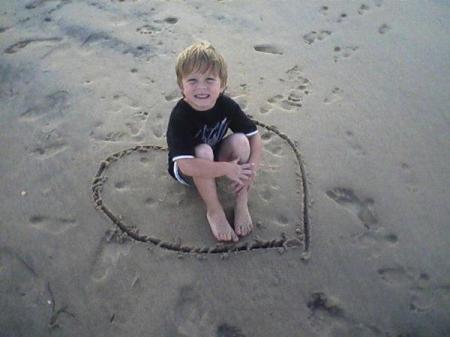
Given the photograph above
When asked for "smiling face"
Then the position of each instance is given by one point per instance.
(201, 90)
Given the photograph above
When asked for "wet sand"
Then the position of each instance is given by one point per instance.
(351, 202)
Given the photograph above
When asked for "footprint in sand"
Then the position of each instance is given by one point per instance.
(292, 99)
(136, 122)
(328, 317)
(375, 235)
(268, 49)
(380, 239)
(395, 275)
(133, 120)
(363, 9)
(226, 330)
(4, 29)
(48, 108)
(191, 318)
(417, 284)
(320, 303)
(48, 144)
(52, 225)
(377, 3)
(320, 35)
(342, 17)
(157, 26)
(113, 245)
(111, 136)
(361, 208)
(16, 47)
(325, 311)
(333, 96)
(384, 28)
(342, 53)
(122, 185)
(149, 29)
(409, 176)
(324, 10)
(157, 126)
(354, 144)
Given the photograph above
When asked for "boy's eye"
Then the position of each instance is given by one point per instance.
(210, 79)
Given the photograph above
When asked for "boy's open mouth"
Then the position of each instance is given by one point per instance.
(203, 96)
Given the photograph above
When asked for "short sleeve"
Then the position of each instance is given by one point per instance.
(179, 138)
(240, 122)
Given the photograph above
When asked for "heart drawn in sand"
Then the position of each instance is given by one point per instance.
(133, 189)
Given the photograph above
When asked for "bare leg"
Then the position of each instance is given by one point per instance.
(206, 187)
(237, 146)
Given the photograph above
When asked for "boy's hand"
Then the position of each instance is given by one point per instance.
(239, 173)
(249, 182)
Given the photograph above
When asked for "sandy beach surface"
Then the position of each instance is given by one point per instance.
(351, 204)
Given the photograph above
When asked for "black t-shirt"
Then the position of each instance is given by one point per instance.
(189, 127)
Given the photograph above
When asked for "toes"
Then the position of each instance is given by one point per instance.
(227, 236)
(234, 237)
(242, 230)
(238, 229)
(246, 230)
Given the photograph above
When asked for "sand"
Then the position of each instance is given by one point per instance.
(351, 203)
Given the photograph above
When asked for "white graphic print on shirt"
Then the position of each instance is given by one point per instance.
(213, 135)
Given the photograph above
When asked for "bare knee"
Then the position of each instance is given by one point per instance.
(239, 142)
(204, 151)
(239, 147)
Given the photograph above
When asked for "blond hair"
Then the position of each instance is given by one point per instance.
(201, 57)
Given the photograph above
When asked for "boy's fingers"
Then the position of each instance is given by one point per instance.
(237, 186)
(247, 172)
(248, 166)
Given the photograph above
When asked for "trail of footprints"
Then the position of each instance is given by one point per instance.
(417, 283)
(293, 98)
(362, 208)
(328, 313)
(342, 52)
(423, 293)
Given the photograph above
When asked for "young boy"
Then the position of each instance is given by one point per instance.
(199, 152)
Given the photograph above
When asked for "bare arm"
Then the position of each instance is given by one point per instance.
(197, 167)
(255, 150)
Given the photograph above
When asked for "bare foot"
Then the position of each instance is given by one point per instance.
(220, 226)
(242, 220)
